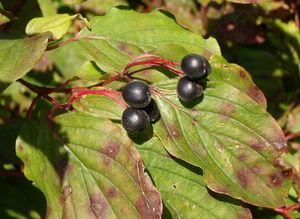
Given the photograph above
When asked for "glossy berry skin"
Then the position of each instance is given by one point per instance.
(188, 90)
(135, 120)
(152, 111)
(195, 66)
(136, 94)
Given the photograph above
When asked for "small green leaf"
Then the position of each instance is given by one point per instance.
(235, 141)
(87, 167)
(5, 16)
(58, 24)
(183, 188)
(18, 55)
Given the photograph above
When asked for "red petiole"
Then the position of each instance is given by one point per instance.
(285, 211)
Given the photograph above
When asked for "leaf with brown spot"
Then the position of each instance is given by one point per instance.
(183, 189)
(93, 161)
(232, 138)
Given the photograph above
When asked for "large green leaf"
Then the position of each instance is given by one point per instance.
(87, 167)
(179, 183)
(116, 38)
(182, 186)
(235, 141)
(18, 55)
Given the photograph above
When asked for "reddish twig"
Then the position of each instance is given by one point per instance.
(32, 105)
(292, 135)
(285, 211)
(10, 173)
(62, 43)
(104, 92)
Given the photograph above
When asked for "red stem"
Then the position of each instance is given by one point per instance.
(104, 92)
(292, 135)
(32, 105)
(285, 211)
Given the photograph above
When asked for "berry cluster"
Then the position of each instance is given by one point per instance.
(195, 67)
(142, 108)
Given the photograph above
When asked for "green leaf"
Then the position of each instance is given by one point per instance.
(87, 167)
(116, 38)
(18, 55)
(68, 59)
(235, 141)
(5, 16)
(183, 188)
(47, 7)
(57, 24)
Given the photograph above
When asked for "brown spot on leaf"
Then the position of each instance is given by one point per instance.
(242, 157)
(110, 149)
(124, 48)
(243, 176)
(242, 73)
(21, 147)
(257, 95)
(98, 205)
(256, 169)
(112, 192)
(256, 145)
(226, 109)
(287, 173)
(174, 131)
(275, 180)
(278, 162)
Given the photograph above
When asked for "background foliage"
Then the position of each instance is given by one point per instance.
(264, 38)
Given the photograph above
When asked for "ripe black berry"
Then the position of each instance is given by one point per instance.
(195, 66)
(152, 111)
(136, 94)
(135, 120)
(188, 90)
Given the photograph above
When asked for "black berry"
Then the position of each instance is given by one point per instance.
(135, 120)
(188, 90)
(136, 94)
(195, 66)
(152, 111)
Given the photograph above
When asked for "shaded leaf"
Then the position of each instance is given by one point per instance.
(18, 55)
(30, 201)
(5, 16)
(156, 33)
(236, 142)
(57, 24)
(90, 162)
(183, 188)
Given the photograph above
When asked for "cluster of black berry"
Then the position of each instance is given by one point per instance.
(196, 68)
(142, 110)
